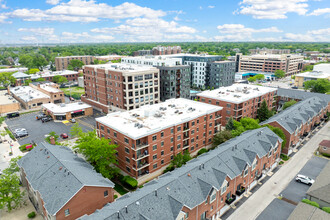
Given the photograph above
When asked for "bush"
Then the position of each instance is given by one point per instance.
(281, 162)
(10, 134)
(285, 157)
(202, 151)
(309, 202)
(115, 196)
(169, 168)
(326, 209)
(31, 215)
(325, 154)
(2, 119)
(129, 182)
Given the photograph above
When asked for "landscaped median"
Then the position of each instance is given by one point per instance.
(76, 91)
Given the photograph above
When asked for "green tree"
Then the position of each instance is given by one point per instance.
(32, 71)
(260, 77)
(52, 134)
(181, 159)
(319, 85)
(230, 124)
(263, 113)
(10, 193)
(288, 104)
(76, 130)
(7, 79)
(279, 73)
(59, 79)
(75, 65)
(12, 168)
(250, 123)
(221, 137)
(99, 152)
(40, 79)
(252, 79)
(27, 82)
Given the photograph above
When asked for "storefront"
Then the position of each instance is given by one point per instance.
(64, 112)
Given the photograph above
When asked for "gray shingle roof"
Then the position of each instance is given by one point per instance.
(304, 211)
(321, 187)
(189, 186)
(19, 75)
(58, 174)
(294, 116)
(301, 95)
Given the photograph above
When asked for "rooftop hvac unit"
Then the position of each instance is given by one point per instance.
(136, 124)
(177, 111)
(140, 126)
(80, 103)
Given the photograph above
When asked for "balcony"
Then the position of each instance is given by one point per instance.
(141, 156)
(240, 191)
(141, 166)
(217, 116)
(231, 200)
(186, 128)
(140, 146)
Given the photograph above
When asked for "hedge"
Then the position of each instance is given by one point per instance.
(202, 151)
(23, 147)
(169, 168)
(10, 134)
(326, 209)
(129, 182)
(309, 202)
(31, 215)
(284, 157)
(325, 154)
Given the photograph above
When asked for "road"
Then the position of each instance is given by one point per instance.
(280, 180)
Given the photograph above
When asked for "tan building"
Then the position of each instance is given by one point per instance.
(63, 111)
(7, 103)
(62, 63)
(290, 64)
(120, 86)
(109, 57)
(301, 78)
(149, 137)
(52, 89)
(29, 97)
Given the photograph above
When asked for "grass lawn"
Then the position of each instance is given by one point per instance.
(120, 189)
(75, 91)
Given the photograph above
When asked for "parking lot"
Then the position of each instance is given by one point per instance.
(37, 130)
(294, 192)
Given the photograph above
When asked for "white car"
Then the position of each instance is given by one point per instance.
(17, 130)
(304, 179)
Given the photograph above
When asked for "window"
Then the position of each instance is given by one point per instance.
(154, 147)
(127, 159)
(128, 169)
(115, 134)
(162, 152)
(126, 140)
(102, 128)
(224, 188)
(203, 216)
(154, 137)
(67, 212)
(154, 166)
(246, 171)
(254, 165)
(197, 121)
(179, 137)
(126, 150)
(213, 196)
(162, 162)
(179, 146)
(172, 130)
(106, 193)
(108, 130)
(171, 140)
(179, 128)
(172, 148)
(192, 123)
(154, 157)
(162, 143)
(162, 134)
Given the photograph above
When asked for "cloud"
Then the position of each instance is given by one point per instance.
(2, 5)
(29, 38)
(274, 9)
(52, 2)
(85, 11)
(38, 31)
(211, 6)
(239, 28)
(320, 11)
(86, 37)
(319, 35)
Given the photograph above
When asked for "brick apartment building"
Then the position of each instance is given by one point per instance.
(290, 64)
(71, 76)
(61, 185)
(206, 186)
(62, 63)
(149, 137)
(239, 100)
(51, 89)
(298, 120)
(159, 50)
(120, 86)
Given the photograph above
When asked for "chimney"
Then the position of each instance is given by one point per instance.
(52, 140)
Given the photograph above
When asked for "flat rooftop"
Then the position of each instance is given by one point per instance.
(150, 119)
(23, 69)
(237, 93)
(64, 108)
(6, 99)
(224, 61)
(189, 55)
(49, 88)
(55, 73)
(315, 74)
(122, 67)
(27, 93)
(324, 67)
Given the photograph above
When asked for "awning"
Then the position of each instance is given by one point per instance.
(77, 111)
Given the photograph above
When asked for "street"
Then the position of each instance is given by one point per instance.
(259, 200)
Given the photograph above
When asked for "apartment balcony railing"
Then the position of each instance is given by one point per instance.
(141, 156)
(140, 146)
(141, 166)
(185, 128)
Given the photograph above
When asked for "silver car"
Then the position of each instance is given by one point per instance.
(304, 179)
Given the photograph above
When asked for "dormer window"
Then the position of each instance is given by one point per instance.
(213, 195)
(254, 164)
(224, 187)
(246, 171)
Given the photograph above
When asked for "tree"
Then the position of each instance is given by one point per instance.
(27, 82)
(181, 159)
(99, 152)
(288, 104)
(40, 79)
(319, 85)
(7, 79)
(279, 73)
(263, 113)
(252, 79)
(230, 124)
(32, 71)
(52, 134)
(75, 65)
(76, 130)
(59, 79)
(13, 168)
(260, 77)
(221, 137)
(10, 193)
(249, 123)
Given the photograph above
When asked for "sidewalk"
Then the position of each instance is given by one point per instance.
(259, 200)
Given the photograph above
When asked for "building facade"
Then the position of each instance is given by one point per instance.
(290, 64)
(150, 137)
(67, 111)
(269, 51)
(120, 86)
(71, 76)
(205, 187)
(51, 89)
(29, 97)
(61, 185)
(62, 63)
(239, 100)
(7, 103)
(159, 50)
(222, 73)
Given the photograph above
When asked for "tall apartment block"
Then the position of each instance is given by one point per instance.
(290, 64)
(62, 63)
(149, 137)
(239, 100)
(159, 50)
(120, 86)
(222, 73)
(174, 77)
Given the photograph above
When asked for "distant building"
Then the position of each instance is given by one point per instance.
(81, 81)
(301, 78)
(290, 64)
(152, 61)
(149, 137)
(67, 111)
(109, 57)
(29, 97)
(71, 76)
(62, 63)
(269, 51)
(51, 89)
(20, 69)
(7, 103)
(120, 86)
(61, 185)
(245, 75)
(21, 78)
(159, 50)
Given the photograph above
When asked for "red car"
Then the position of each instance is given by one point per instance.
(64, 136)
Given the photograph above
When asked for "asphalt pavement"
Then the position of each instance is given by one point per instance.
(277, 210)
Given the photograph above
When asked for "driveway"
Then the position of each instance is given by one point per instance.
(277, 210)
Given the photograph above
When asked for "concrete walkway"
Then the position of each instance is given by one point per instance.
(279, 181)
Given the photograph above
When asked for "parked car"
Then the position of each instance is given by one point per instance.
(72, 120)
(294, 87)
(46, 119)
(304, 179)
(21, 134)
(20, 130)
(40, 116)
(13, 115)
(64, 135)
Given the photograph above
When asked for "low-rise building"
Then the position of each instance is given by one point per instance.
(62, 63)
(21, 69)
(205, 187)
(301, 78)
(320, 190)
(149, 137)
(298, 120)
(239, 100)
(269, 51)
(61, 185)
(324, 147)
(155, 61)
(71, 76)
(21, 78)
(29, 97)
(67, 111)
(159, 50)
(245, 75)
(51, 89)
(120, 86)
(7, 103)
(305, 211)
